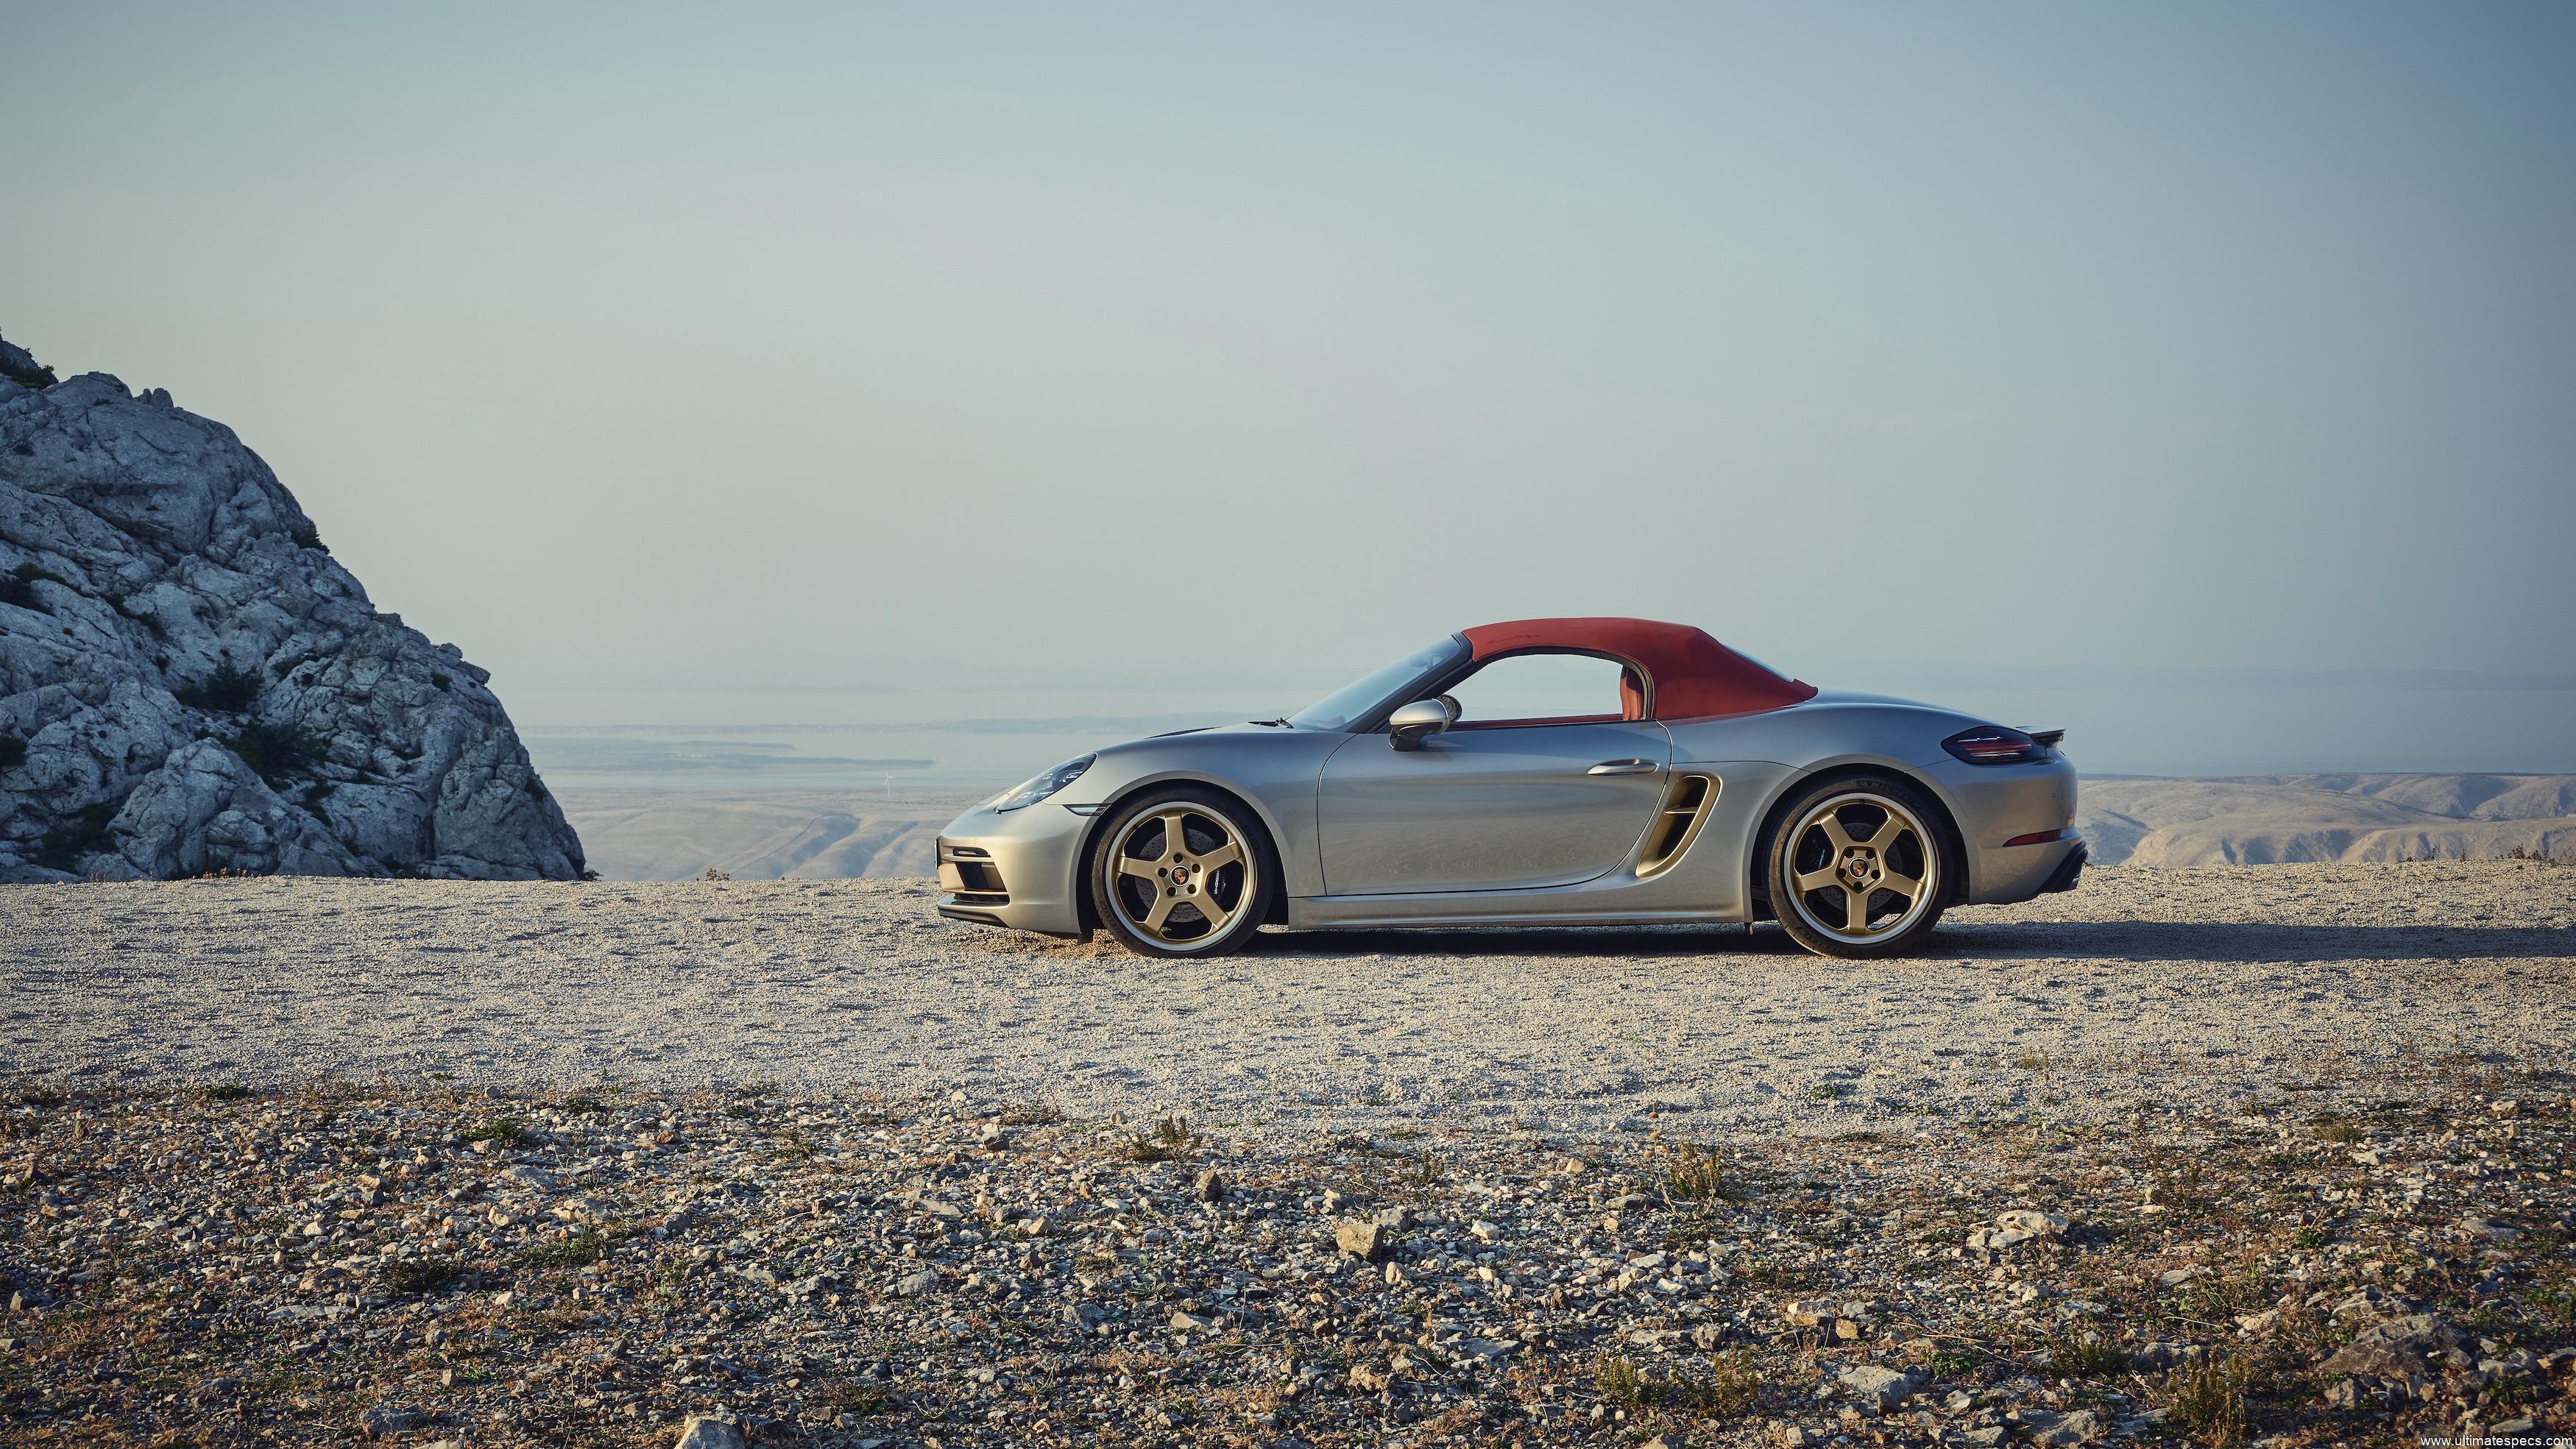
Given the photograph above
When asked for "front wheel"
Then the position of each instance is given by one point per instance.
(1860, 868)
(1179, 874)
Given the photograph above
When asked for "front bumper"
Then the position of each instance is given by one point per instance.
(1019, 868)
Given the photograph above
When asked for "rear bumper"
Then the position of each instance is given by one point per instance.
(1013, 868)
(2068, 872)
(1998, 805)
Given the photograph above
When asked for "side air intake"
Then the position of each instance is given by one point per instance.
(1685, 810)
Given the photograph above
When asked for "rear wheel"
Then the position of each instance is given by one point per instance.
(1860, 868)
(1178, 873)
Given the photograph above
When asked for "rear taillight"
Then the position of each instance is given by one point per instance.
(1995, 745)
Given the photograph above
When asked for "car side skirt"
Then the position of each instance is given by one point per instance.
(1479, 908)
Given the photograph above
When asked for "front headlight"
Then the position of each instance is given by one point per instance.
(1031, 791)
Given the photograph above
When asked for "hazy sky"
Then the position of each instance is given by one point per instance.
(2052, 349)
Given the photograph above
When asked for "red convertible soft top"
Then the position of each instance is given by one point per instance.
(1689, 675)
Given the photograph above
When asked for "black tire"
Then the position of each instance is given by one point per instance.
(1124, 895)
(1821, 917)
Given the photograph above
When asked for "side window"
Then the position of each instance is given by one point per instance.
(1524, 688)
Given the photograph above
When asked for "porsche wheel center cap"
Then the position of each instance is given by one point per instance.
(1180, 875)
(1859, 867)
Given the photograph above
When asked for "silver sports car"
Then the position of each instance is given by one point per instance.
(1546, 772)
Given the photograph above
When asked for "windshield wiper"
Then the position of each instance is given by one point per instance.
(1280, 723)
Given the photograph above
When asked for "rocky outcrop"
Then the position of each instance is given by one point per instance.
(189, 682)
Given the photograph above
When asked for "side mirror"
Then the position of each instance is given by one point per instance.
(1411, 724)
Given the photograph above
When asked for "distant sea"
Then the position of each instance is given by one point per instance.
(973, 754)
(852, 738)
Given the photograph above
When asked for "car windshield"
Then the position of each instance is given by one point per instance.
(1356, 699)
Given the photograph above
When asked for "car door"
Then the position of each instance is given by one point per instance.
(1514, 802)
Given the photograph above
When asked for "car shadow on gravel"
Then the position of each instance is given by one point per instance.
(2212, 941)
(1533, 941)
(2236, 941)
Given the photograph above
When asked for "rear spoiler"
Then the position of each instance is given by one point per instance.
(2046, 737)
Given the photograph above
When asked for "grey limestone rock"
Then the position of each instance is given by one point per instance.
(189, 683)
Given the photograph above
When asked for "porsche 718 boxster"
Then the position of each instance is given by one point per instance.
(1546, 772)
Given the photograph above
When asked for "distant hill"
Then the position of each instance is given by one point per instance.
(2261, 819)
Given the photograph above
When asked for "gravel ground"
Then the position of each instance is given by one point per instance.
(2193, 987)
(221, 1266)
(2272, 1155)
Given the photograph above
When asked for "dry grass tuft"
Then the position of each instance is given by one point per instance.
(420, 1275)
(1694, 1176)
(2079, 1355)
(501, 1132)
(2208, 1397)
(1169, 1138)
(1733, 1386)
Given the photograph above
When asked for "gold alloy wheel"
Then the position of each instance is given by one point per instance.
(1181, 875)
(1862, 867)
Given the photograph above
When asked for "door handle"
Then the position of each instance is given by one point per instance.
(1623, 767)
